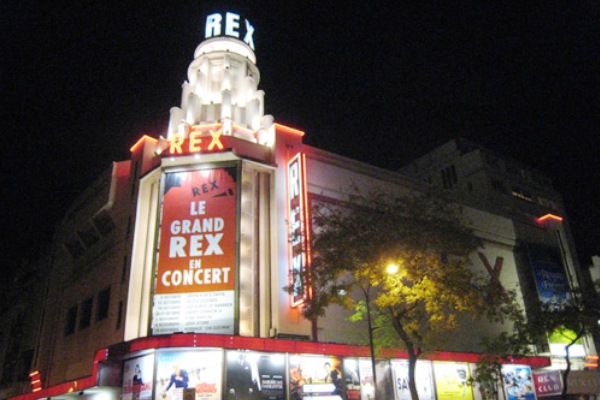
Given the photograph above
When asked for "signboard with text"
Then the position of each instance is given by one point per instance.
(297, 228)
(196, 266)
(548, 383)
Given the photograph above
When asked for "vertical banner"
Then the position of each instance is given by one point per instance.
(255, 376)
(518, 382)
(138, 376)
(297, 231)
(423, 378)
(183, 372)
(550, 278)
(196, 265)
(452, 381)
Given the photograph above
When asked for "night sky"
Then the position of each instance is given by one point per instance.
(81, 81)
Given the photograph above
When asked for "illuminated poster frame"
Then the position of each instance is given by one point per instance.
(197, 261)
(198, 371)
(298, 232)
(138, 378)
(518, 382)
(452, 380)
(423, 377)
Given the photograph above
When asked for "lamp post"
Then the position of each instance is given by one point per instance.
(390, 270)
(367, 293)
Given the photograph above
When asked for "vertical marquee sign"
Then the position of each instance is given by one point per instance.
(298, 240)
(195, 273)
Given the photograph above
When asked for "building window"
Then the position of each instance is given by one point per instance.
(71, 321)
(75, 248)
(88, 236)
(124, 269)
(449, 178)
(498, 186)
(25, 365)
(120, 314)
(86, 313)
(103, 304)
(521, 194)
(103, 222)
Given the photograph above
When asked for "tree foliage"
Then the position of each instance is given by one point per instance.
(504, 348)
(418, 305)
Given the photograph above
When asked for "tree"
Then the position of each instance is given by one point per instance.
(504, 347)
(418, 304)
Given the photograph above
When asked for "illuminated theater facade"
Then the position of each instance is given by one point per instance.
(211, 222)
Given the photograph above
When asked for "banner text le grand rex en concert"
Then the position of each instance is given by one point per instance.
(195, 279)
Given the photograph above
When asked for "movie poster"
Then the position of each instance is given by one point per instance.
(312, 376)
(197, 371)
(138, 377)
(352, 378)
(423, 380)
(367, 388)
(518, 382)
(550, 278)
(452, 381)
(255, 376)
(196, 265)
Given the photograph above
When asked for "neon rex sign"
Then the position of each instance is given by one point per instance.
(230, 25)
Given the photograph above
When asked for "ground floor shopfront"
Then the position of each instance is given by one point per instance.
(200, 366)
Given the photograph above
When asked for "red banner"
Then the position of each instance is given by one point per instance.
(198, 232)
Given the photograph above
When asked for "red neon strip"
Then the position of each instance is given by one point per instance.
(549, 217)
(306, 217)
(287, 129)
(140, 141)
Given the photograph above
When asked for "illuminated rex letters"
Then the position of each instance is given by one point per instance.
(214, 27)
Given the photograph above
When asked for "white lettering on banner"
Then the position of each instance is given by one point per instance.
(202, 276)
(232, 25)
(186, 226)
(178, 244)
(198, 208)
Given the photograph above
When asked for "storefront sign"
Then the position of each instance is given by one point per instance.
(548, 383)
(229, 25)
(297, 229)
(196, 264)
(197, 142)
